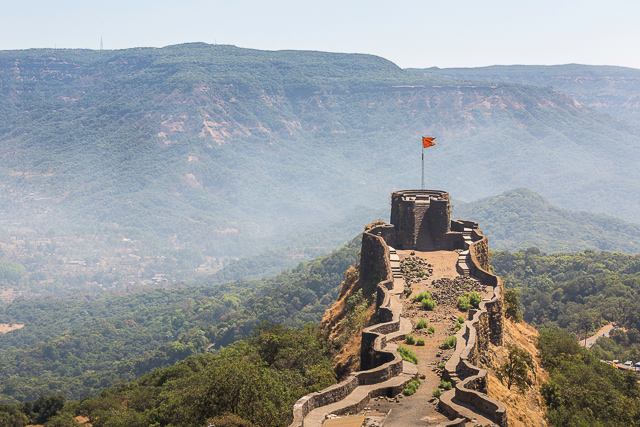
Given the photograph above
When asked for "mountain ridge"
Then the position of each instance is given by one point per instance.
(224, 150)
(520, 218)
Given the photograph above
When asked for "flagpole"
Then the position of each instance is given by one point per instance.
(422, 185)
(426, 142)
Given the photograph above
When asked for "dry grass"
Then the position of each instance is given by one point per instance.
(347, 338)
(7, 327)
(523, 410)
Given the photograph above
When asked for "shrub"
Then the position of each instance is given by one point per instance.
(458, 326)
(516, 368)
(410, 339)
(431, 329)
(422, 323)
(437, 393)
(442, 364)
(428, 304)
(511, 303)
(461, 319)
(445, 385)
(450, 342)
(422, 295)
(407, 354)
(463, 303)
(475, 299)
(411, 388)
(408, 290)
(420, 341)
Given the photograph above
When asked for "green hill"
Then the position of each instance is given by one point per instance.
(193, 155)
(77, 345)
(520, 219)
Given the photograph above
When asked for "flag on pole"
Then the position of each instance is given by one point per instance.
(428, 141)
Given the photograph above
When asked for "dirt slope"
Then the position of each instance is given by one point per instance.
(523, 410)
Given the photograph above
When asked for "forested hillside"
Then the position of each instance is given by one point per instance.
(190, 156)
(578, 293)
(253, 382)
(519, 219)
(81, 344)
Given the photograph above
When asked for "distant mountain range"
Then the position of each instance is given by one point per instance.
(226, 149)
(613, 90)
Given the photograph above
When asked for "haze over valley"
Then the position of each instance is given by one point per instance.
(177, 223)
(143, 166)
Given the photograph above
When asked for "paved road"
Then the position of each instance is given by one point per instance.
(603, 332)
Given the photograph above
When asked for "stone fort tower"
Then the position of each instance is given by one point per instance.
(421, 219)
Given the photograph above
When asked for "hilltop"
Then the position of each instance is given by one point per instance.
(519, 219)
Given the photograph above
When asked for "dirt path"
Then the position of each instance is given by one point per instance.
(421, 408)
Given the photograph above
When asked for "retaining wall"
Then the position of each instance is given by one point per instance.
(484, 324)
(380, 364)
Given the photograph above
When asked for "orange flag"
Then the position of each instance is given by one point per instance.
(428, 142)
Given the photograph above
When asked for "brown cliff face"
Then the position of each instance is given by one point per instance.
(345, 320)
(523, 409)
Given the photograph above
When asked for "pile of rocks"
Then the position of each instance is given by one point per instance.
(415, 269)
(446, 291)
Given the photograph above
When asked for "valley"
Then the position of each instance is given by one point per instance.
(179, 222)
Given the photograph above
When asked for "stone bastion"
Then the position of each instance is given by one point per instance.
(420, 220)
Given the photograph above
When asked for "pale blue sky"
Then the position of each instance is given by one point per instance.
(410, 33)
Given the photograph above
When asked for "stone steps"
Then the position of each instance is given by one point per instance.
(463, 264)
(394, 264)
(360, 397)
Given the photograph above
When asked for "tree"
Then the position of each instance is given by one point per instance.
(516, 368)
(511, 303)
(46, 407)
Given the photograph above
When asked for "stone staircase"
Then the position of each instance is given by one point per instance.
(387, 379)
(463, 267)
(394, 264)
(463, 264)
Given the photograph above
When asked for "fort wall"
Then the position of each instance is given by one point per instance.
(484, 325)
(380, 362)
(420, 221)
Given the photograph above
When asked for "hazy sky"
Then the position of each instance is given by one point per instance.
(425, 33)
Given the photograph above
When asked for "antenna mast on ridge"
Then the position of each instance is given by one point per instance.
(100, 43)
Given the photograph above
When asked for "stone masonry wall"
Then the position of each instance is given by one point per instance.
(484, 325)
(382, 364)
(374, 264)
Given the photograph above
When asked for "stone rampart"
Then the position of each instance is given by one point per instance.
(485, 324)
(374, 260)
(420, 220)
(380, 364)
